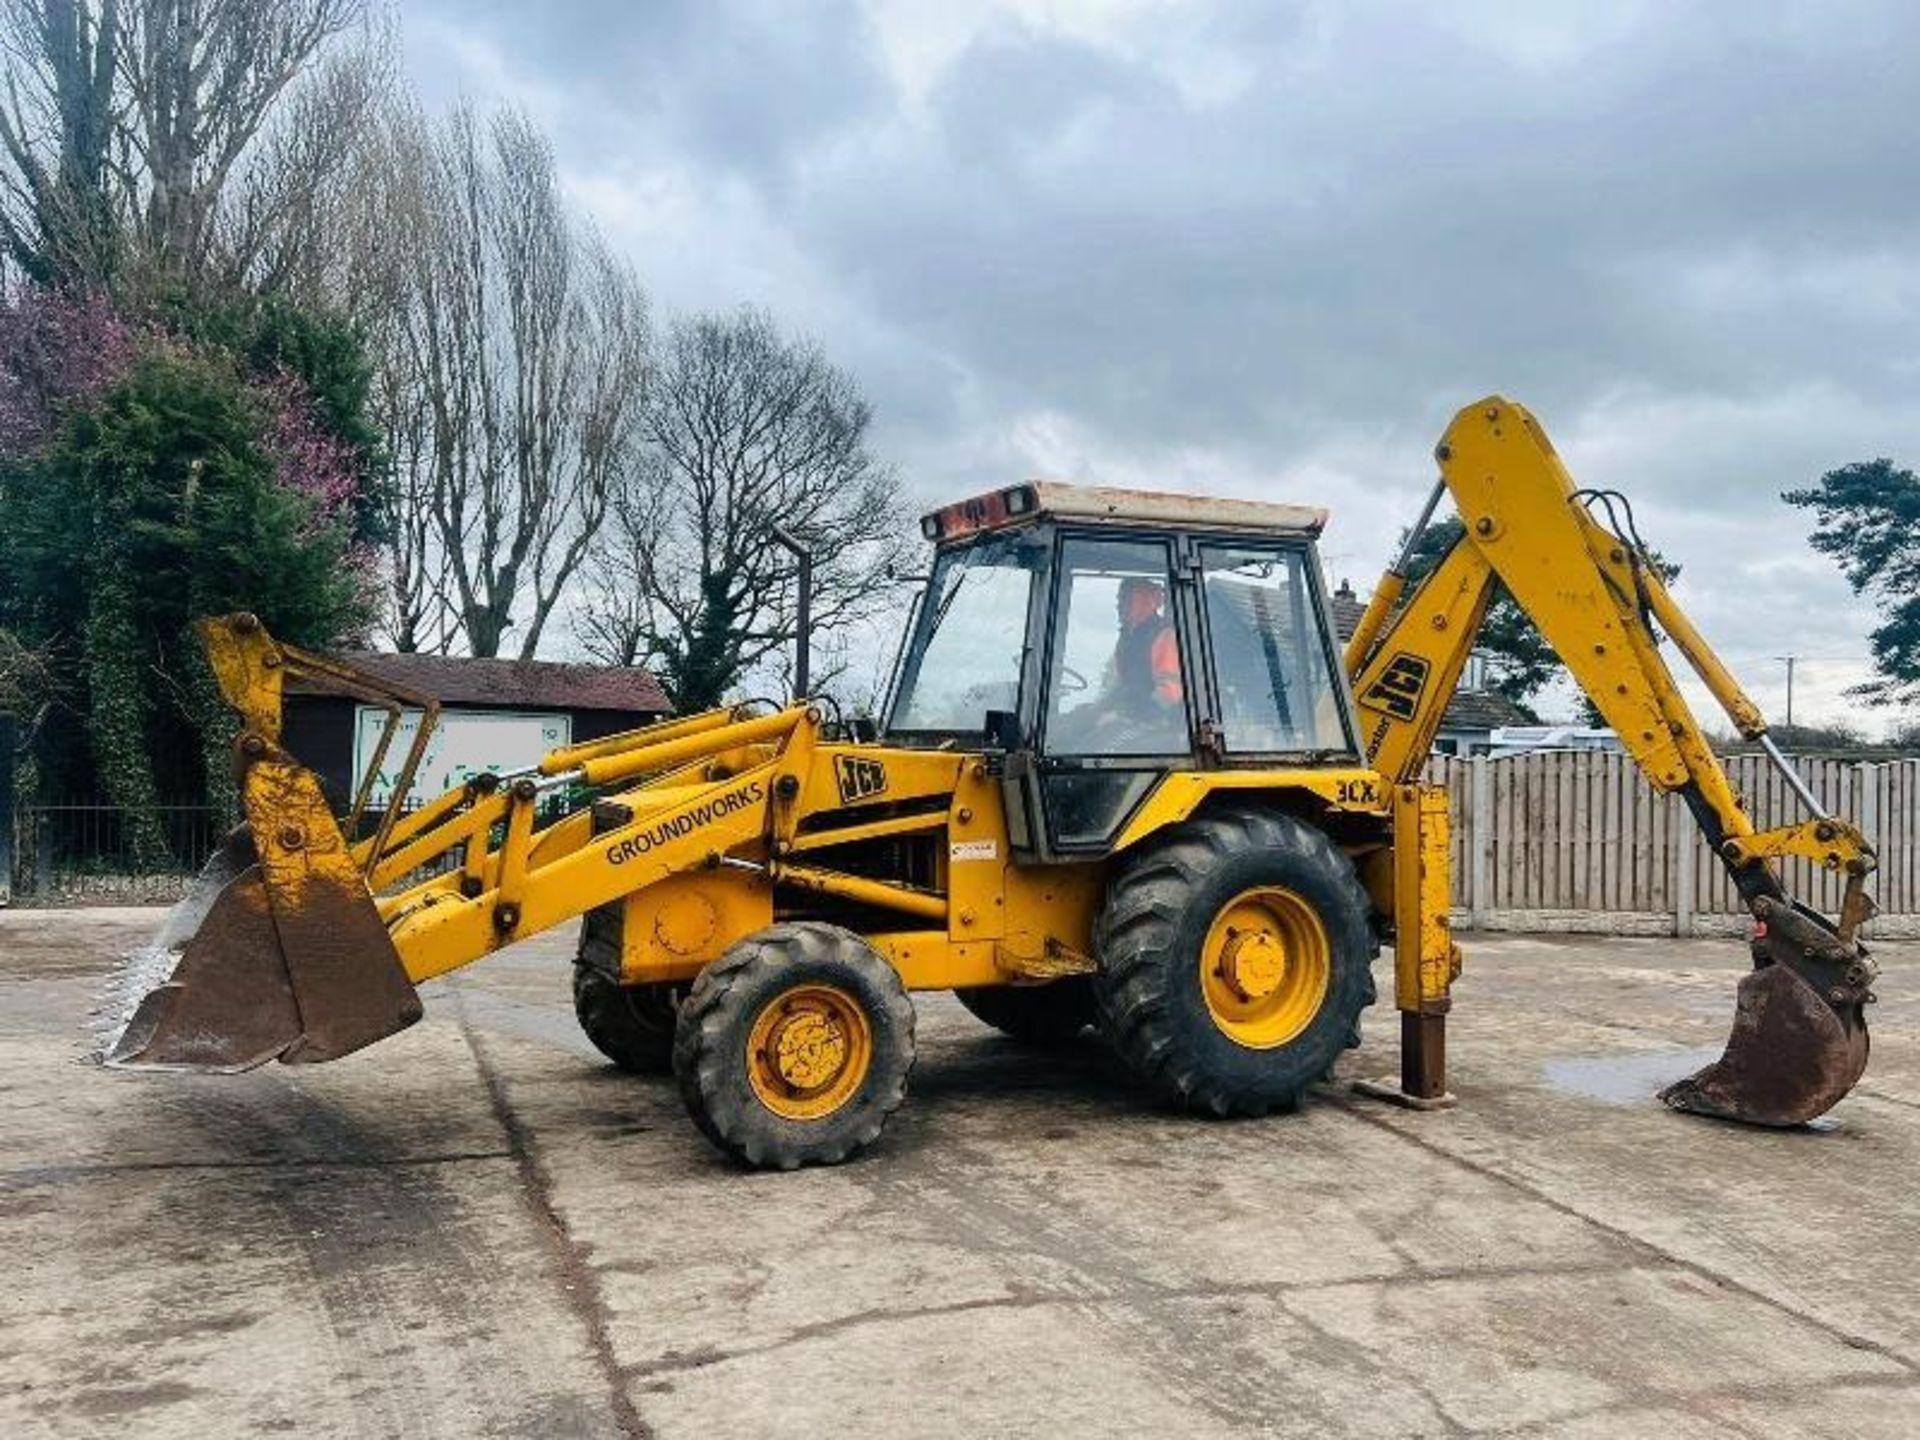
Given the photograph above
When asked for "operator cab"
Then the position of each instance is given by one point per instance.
(1091, 640)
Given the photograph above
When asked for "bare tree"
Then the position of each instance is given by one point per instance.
(378, 226)
(201, 78)
(524, 353)
(283, 225)
(746, 429)
(57, 128)
(125, 125)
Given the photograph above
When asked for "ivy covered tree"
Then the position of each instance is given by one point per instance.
(318, 365)
(164, 483)
(185, 426)
(1867, 517)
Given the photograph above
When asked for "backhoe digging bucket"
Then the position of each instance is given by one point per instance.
(1799, 1040)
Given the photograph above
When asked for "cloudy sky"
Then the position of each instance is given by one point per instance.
(1268, 249)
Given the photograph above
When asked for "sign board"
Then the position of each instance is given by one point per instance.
(464, 743)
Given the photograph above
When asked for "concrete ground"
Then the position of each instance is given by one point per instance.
(477, 1228)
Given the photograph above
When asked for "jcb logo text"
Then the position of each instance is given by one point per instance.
(860, 778)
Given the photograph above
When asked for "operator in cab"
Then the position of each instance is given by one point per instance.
(1145, 671)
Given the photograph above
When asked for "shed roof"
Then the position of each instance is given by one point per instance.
(514, 684)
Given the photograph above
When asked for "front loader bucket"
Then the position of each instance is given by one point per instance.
(278, 952)
(275, 955)
(206, 997)
(1799, 1040)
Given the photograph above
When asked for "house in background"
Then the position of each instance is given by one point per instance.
(1524, 739)
(496, 715)
(1475, 711)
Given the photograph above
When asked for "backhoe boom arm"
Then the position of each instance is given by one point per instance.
(1598, 599)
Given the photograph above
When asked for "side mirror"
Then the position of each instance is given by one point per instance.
(1002, 729)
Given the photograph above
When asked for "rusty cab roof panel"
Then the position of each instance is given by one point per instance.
(1037, 500)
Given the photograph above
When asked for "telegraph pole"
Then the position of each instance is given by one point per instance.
(1788, 661)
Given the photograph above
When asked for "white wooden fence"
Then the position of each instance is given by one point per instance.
(1577, 840)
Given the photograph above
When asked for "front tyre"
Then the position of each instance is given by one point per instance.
(794, 1047)
(1235, 955)
(632, 1025)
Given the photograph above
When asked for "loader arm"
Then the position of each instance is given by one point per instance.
(302, 944)
(1800, 1041)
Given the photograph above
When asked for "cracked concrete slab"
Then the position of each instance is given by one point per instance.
(363, 1299)
(480, 1228)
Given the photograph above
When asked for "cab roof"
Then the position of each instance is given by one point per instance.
(1037, 500)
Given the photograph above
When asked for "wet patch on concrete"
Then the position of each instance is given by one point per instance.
(126, 1399)
(1625, 1079)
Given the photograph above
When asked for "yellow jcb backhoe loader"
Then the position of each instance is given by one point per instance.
(1124, 780)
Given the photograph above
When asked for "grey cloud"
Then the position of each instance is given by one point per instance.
(1685, 236)
(1450, 222)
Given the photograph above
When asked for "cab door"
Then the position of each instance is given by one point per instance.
(1118, 700)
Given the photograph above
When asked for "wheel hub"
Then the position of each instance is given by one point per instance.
(1265, 966)
(809, 1052)
(809, 1049)
(1253, 963)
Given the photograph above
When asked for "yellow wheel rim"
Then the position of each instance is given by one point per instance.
(1265, 967)
(809, 1052)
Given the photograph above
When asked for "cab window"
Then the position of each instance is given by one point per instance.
(1270, 656)
(966, 655)
(1116, 686)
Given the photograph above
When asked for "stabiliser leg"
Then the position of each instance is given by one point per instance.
(1425, 959)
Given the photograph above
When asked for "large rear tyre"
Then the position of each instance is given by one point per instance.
(1038, 1014)
(794, 1047)
(1234, 961)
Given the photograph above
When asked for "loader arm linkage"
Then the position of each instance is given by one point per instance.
(1800, 1040)
(302, 945)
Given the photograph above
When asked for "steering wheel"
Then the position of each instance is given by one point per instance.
(1078, 681)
